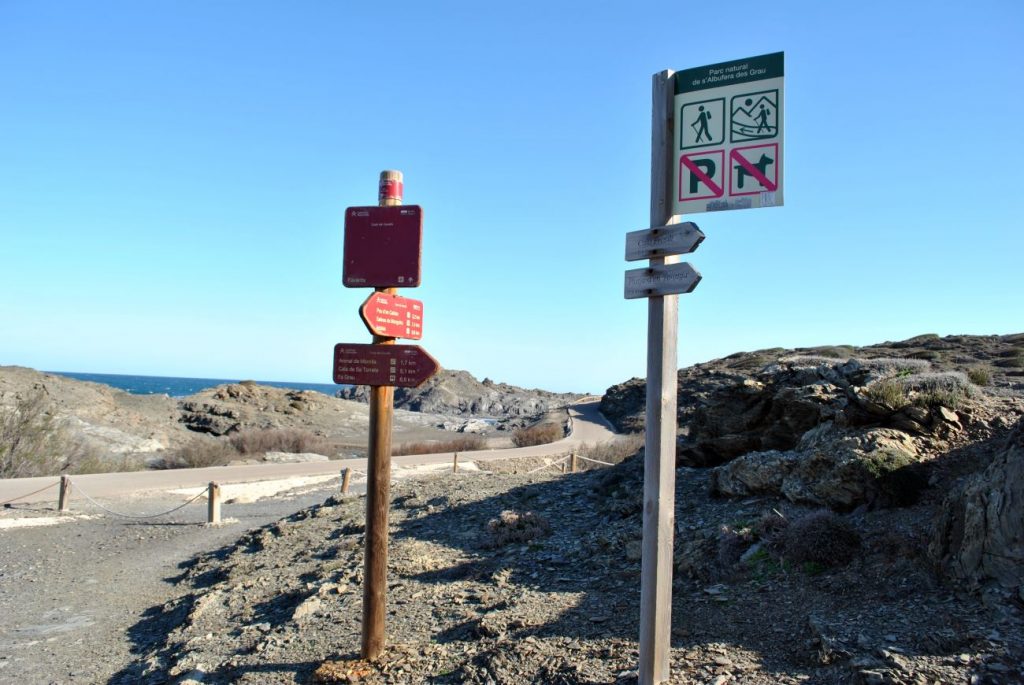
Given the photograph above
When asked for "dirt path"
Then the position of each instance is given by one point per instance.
(76, 590)
(588, 428)
(71, 591)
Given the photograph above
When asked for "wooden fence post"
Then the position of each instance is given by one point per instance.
(213, 503)
(65, 494)
(575, 464)
(346, 476)
(455, 463)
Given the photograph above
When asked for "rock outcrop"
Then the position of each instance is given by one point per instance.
(979, 532)
(839, 432)
(459, 393)
(99, 418)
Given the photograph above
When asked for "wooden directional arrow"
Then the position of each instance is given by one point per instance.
(404, 366)
(393, 316)
(661, 279)
(665, 240)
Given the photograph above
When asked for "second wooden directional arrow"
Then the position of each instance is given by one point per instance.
(661, 279)
(393, 316)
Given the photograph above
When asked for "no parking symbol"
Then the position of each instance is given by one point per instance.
(702, 175)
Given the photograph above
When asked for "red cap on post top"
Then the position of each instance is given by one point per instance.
(390, 190)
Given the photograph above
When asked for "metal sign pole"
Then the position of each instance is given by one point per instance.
(378, 477)
(660, 445)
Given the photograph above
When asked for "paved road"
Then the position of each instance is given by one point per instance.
(588, 427)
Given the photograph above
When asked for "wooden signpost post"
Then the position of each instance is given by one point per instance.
(383, 247)
(690, 142)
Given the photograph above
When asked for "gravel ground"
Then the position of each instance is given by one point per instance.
(469, 603)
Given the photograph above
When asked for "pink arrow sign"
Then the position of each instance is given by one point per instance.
(393, 316)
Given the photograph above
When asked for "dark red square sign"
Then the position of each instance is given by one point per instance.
(383, 246)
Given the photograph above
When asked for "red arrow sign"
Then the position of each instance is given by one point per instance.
(404, 366)
(393, 316)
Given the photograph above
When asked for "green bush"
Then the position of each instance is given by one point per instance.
(980, 375)
(889, 393)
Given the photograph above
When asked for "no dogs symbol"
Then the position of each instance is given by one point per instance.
(754, 169)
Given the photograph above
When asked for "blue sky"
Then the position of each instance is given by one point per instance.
(173, 177)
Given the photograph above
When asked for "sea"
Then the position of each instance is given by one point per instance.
(182, 387)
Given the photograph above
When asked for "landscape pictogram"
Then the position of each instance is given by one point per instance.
(702, 175)
(703, 123)
(754, 169)
(754, 116)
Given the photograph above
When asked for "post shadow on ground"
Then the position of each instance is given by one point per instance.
(608, 584)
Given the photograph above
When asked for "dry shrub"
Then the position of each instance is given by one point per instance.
(733, 541)
(92, 461)
(293, 440)
(468, 443)
(199, 454)
(538, 434)
(980, 375)
(946, 388)
(614, 452)
(513, 527)
(894, 366)
(34, 441)
(820, 538)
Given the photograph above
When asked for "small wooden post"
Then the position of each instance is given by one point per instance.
(213, 503)
(65, 494)
(455, 463)
(574, 464)
(378, 476)
(660, 446)
(346, 476)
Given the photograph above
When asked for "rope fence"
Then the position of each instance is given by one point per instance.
(34, 492)
(66, 484)
(212, 493)
(136, 516)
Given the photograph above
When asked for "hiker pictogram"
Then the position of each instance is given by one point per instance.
(702, 175)
(703, 123)
(754, 169)
(755, 116)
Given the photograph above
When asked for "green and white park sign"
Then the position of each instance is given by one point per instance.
(728, 136)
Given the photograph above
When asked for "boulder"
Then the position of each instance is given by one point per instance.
(832, 467)
(979, 532)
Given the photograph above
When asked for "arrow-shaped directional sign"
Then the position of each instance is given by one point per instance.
(664, 240)
(393, 316)
(661, 279)
(404, 366)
